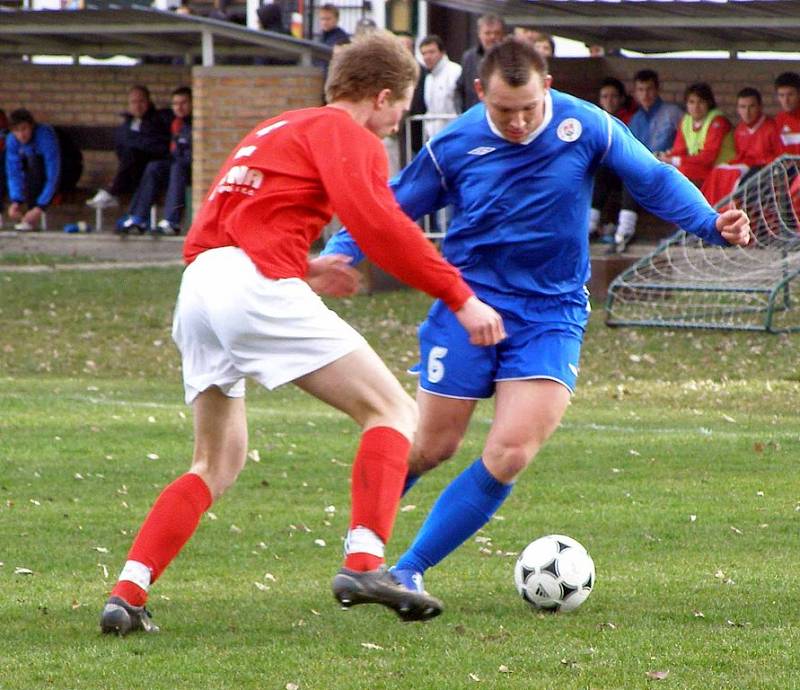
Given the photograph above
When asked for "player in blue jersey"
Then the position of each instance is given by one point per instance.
(517, 170)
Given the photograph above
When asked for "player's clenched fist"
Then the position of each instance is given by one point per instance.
(734, 226)
(484, 324)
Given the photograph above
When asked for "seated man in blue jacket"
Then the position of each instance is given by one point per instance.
(33, 167)
(142, 137)
(172, 174)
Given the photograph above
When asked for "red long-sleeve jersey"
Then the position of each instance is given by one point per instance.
(789, 129)
(697, 167)
(284, 181)
(757, 145)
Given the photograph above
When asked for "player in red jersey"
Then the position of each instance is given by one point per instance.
(756, 141)
(787, 89)
(246, 308)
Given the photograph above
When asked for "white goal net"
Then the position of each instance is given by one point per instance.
(686, 283)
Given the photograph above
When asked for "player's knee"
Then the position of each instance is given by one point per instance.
(427, 455)
(403, 416)
(218, 478)
(506, 462)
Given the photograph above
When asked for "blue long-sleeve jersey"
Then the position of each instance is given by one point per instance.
(520, 217)
(44, 142)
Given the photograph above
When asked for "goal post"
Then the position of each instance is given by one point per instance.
(687, 283)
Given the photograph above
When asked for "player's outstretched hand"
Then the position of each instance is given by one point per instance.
(333, 275)
(734, 226)
(484, 324)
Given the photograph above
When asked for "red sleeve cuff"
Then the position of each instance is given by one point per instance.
(458, 293)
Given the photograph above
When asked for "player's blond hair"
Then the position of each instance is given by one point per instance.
(371, 63)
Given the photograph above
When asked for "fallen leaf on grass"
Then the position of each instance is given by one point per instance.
(254, 455)
(698, 614)
(736, 530)
(408, 508)
(152, 456)
(370, 645)
(319, 542)
(504, 669)
(292, 686)
(261, 586)
(23, 571)
(474, 676)
(657, 675)
(100, 549)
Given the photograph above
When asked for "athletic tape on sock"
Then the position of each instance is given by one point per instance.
(363, 540)
(136, 572)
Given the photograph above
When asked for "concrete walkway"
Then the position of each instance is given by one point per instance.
(102, 251)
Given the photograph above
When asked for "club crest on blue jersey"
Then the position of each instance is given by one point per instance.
(569, 130)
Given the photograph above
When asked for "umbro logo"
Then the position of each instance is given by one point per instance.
(481, 151)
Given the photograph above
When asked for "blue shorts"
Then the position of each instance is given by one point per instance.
(544, 342)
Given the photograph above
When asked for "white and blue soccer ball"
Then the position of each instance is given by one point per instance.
(554, 573)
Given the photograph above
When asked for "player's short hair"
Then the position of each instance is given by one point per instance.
(374, 61)
(514, 60)
(328, 7)
(645, 75)
(788, 79)
(432, 39)
(20, 116)
(703, 91)
(749, 92)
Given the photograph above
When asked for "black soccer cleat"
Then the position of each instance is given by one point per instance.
(120, 617)
(351, 587)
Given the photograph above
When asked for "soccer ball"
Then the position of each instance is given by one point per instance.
(554, 573)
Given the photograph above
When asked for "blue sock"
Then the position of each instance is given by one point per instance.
(465, 506)
(411, 479)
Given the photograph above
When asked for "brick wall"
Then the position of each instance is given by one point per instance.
(582, 76)
(230, 101)
(84, 95)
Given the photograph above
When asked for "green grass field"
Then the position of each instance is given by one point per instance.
(676, 466)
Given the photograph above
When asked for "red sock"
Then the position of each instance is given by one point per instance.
(379, 471)
(169, 524)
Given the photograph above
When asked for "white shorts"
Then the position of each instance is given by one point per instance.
(231, 322)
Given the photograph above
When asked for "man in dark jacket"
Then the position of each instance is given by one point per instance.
(143, 136)
(172, 174)
(331, 33)
(491, 30)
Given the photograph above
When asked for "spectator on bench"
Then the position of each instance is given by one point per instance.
(33, 167)
(757, 143)
(654, 124)
(143, 136)
(616, 101)
(787, 89)
(704, 138)
(173, 173)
